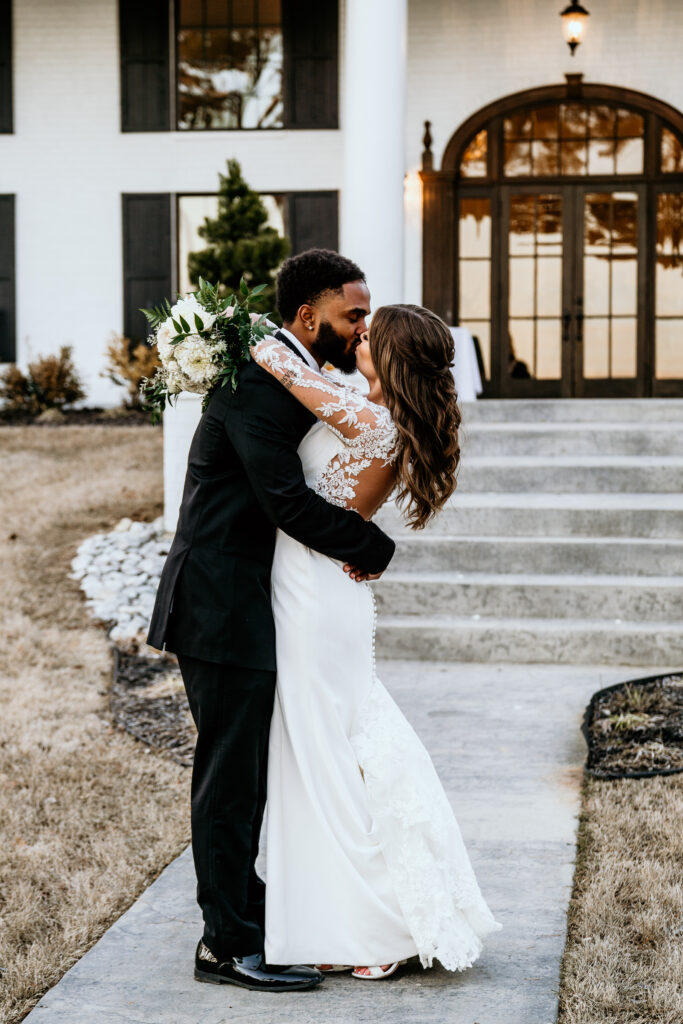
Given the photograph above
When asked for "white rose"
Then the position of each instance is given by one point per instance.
(187, 307)
(164, 346)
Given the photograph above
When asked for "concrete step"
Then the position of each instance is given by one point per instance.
(572, 474)
(574, 439)
(515, 640)
(575, 555)
(522, 595)
(550, 515)
(636, 411)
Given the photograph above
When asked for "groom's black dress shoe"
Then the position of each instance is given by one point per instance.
(252, 972)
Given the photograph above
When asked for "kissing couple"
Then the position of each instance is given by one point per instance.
(265, 599)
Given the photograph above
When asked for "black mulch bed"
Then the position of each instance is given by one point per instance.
(635, 730)
(149, 702)
(120, 417)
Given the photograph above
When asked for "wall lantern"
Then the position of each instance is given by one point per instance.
(574, 18)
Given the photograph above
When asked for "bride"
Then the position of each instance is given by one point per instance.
(364, 861)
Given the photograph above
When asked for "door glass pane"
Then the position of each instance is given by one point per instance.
(474, 268)
(624, 347)
(596, 348)
(669, 349)
(549, 285)
(475, 228)
(475, 289)
(522, 225)
(521, 349)
(549, 350)
(522, 286)
(669, 287)
(535, 286)
(596, 285)
(610, 284)
(481, 332)
(624, 286)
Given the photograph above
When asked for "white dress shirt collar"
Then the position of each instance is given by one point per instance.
(300, 348)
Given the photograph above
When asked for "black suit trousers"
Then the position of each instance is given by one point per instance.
(232, 708)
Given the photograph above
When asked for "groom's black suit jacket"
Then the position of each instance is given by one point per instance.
(244, 479)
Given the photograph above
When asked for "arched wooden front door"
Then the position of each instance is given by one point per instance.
(554, 231)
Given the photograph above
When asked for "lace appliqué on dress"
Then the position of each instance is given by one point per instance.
(365, 429)
(420, 838)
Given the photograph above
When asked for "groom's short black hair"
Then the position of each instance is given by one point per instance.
(303, 279)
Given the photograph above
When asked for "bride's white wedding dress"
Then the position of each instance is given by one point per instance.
(363, 857)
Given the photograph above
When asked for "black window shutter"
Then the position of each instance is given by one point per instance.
(7, 290)
(313, 220)
(146, 258)
(144, 45)
(6, 119)
(310, 31)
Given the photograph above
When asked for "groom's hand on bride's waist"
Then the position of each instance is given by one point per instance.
(358, 575)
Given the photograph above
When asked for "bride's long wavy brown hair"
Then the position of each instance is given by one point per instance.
(412, 350)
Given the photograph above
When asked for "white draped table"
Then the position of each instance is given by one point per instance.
(465, 367)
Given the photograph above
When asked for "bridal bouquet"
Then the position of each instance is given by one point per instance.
(202, 341)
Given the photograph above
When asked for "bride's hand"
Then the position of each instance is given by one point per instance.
(358, 575)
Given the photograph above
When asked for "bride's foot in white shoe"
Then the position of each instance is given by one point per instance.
(375, 973)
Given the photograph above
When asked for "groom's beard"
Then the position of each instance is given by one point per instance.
(330, 347)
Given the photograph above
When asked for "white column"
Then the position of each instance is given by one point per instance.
(373, 119)
(180, 422)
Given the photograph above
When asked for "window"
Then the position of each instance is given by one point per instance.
(5, 66)
(7, 290)
(229, 64)
(193, 209)
(572, 138)
(221, 65)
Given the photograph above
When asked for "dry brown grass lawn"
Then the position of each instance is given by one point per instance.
(88, 817)
(623, 963)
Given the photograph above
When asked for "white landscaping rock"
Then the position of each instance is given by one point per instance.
(119, 575)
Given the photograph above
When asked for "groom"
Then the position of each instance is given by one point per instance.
(244, 480)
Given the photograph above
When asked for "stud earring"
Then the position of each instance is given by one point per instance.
(310, 327)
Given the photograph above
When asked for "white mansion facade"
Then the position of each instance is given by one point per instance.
(543, 211)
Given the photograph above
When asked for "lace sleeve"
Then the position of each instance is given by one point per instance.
(343, 408)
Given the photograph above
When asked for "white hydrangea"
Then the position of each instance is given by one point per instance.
(194, 357)
(175, 380)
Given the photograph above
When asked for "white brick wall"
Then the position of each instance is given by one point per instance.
(68, 162)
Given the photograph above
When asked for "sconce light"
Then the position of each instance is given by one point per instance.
(574, 18)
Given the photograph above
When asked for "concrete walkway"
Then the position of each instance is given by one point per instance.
(506, 743)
